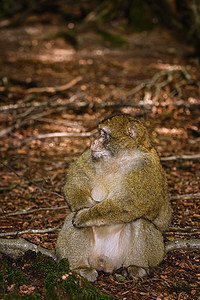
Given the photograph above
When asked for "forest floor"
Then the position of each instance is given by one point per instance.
(151, 78)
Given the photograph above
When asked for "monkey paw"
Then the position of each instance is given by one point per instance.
(89, 274)
(135, 271)
(79, 217)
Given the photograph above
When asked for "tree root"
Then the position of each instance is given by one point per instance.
(16, 248)
(183, 245)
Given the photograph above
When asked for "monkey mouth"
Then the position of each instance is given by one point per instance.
(100, 154)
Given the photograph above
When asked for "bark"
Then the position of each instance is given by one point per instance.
(183, 245)
(16, 248)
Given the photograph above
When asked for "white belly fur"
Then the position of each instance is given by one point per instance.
(109, 247)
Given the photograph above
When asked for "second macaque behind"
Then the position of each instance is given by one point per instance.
(117, 194)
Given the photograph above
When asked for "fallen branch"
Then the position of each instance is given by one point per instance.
(182, 245)
(30, 231)
(16, 248)
(186, 231)
(182, 233)
(52, 90)
(181, 157)
(68, 104)
(60, 134)
(23, 121)
(186, 196)
(27, 211)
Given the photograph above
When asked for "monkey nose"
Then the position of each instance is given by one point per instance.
(93, 146)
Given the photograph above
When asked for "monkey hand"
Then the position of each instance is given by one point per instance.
(80, 218)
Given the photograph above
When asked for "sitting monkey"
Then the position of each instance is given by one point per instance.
(117, 195)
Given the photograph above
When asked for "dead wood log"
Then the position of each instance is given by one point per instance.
(183, 245)
(16, 248)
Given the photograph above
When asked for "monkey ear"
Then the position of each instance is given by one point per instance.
(132, 131)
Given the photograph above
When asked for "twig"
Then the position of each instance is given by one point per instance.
(186, 196)
(27, 211)
(21, 122)
(12, 186)
(30, 231)
(181, 157)
(188, 229)
(69, 104)
(182, 245)
(69, 124)
(182, 233)
(16, 248)
(51, 90)
(60, 134)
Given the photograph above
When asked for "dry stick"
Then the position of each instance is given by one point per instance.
(30, 231)
(182, 233)
(182, 245)
(60, 88)
(82, 104)
(60, 134)
(69, 124)
(144, 84)
(26, 211)
(21, 122)
(186, 196)
(16, 248)
(24, 104)
(184, 157)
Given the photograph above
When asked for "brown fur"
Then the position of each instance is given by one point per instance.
(117, 194)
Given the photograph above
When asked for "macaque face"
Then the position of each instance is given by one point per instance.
(101, 148)
(117, 135)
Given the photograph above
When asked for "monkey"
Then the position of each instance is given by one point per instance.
(118, 203)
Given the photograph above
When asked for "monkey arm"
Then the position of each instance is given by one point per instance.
(78, 185)
(78, 197)
(111, 211)
(144, 199)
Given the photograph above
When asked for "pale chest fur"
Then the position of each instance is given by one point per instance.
(109, 175)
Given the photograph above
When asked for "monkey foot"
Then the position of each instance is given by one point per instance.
(135, 271)
(88, 273)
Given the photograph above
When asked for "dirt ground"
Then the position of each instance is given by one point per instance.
(152, 78)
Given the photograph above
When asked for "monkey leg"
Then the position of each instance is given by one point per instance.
(146, 248)
(75, 244)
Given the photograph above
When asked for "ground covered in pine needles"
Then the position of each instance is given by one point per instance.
(51, 99)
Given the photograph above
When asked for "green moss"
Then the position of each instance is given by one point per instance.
(58, 281)
(62, 284)
(63, 266)
(11, 275)
(43, 264)
(16, 295)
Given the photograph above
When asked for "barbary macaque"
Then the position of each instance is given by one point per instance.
(119, 204)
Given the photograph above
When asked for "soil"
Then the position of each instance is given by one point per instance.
(150, 77)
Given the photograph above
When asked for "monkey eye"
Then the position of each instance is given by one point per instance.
(104, 134)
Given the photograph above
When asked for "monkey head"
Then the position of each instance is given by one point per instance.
(118, 133)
